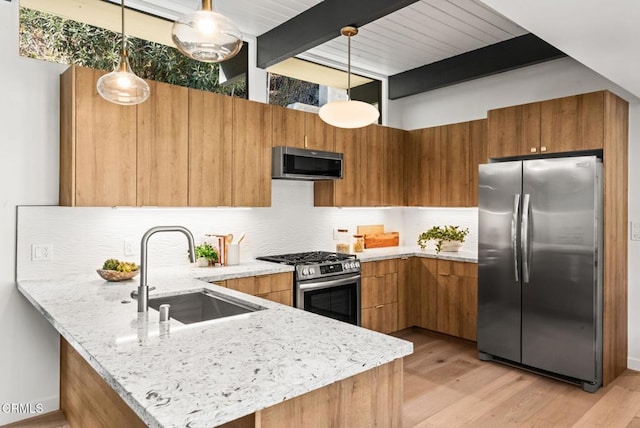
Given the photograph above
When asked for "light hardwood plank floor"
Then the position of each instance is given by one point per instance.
(445, 385)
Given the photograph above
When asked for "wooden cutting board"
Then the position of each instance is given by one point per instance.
(389, 239)
(374, 229)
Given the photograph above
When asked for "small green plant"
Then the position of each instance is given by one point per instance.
(206, 251)
(441, 234)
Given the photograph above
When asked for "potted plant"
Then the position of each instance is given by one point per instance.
(206, 255)
(448, 238)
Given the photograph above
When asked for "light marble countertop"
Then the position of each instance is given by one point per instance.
(374, 254)
(205, 374)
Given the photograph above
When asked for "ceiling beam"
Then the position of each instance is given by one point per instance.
(320, 24)
(514, 53)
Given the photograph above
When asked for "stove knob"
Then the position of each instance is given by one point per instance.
(312, 271)
(356, 264)
(350, 265)
(305, 271)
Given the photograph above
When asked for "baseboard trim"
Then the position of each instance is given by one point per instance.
(633, 363)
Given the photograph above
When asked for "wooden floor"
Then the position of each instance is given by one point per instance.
(445, 385)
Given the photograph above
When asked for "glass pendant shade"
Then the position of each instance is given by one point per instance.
(206, 35)
(349, 114)
(122, 86)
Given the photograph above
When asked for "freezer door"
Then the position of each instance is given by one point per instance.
(499, 275)
(560, 305)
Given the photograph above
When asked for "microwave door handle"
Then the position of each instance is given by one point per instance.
(307, 286)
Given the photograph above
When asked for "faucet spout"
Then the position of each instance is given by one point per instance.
(143, 288)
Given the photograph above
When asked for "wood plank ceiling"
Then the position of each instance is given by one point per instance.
(425, 32)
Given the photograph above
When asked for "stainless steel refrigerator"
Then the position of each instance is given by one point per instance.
(540, 266)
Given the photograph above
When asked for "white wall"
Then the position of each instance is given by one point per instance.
(29, 168)
(553, 79)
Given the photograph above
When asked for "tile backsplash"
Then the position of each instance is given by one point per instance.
(82, 238)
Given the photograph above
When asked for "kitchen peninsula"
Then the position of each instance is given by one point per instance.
(275, 364)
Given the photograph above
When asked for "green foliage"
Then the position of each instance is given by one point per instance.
(285, 90)
(207, 251)
(55, 39)
(440, 234)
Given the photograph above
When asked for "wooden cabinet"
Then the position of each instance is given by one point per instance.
(295, 128)
(163, 147)
(422, 167)
(276, 287)
(554, 126)
(457, 299)
(379, 295)
(393, 173)
(251, 164)
(427, 280)
(454, 165)
(97, 144)
(210, 149)
(477, 156)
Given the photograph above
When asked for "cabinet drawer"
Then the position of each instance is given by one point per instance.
(381, 267)
(260, 285)
(285, 297)
(381, 318)
(379, 290)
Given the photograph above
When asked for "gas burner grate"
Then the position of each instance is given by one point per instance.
(311, 257)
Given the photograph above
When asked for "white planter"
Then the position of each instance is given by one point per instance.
(450, 246)
(202, 262)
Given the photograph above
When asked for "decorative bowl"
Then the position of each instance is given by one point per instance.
(115, 275)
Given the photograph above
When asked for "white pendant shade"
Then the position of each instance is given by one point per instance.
(206, 35)
(349, 114)
(122, 86)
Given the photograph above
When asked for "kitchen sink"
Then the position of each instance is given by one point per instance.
(201, 306)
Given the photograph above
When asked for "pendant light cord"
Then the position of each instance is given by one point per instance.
(348, 67)
(124, 46)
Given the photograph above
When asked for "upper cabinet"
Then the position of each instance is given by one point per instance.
(554, 126)
(372, 169)
(163, 147)
(97, 144)
(251, 165)
(210, 149)
(295, 128)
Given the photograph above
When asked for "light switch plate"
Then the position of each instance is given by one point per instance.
(635, 231)
(129, 247)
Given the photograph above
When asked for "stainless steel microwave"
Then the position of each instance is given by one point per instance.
(300, 164)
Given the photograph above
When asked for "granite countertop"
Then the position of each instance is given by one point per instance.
(464, 255)
(205, 374)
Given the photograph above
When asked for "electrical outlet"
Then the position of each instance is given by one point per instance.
(129, 246)
(41, 252)
(635, 231)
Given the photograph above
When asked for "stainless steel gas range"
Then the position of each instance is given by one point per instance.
(325, 283)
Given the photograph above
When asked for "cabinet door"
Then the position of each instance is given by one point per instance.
(477, 156)
(283, 297)
(101, 170)
(469, 304)
(348, 190)
(288, 127)
(318, 134)
(393, 171)
(372, 164)
(572, 123)
(251, 154)
(163, 147)
(210, 149)
(514, 131)
(454, 166)
(427, 270)
(449, 298)
(423, 164)
(408, 293)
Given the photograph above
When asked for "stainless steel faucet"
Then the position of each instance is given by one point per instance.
(143, 288)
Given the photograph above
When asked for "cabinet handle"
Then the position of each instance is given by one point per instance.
(543, 148)
(444, 274)
(380, 276)
(306, 144)
(534, 149)
(379, 306)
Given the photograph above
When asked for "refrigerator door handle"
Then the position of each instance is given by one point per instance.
(514, 235)
(524, 231)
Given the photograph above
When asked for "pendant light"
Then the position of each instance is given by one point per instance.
(349, 113)
(206, 35)
(122, 86)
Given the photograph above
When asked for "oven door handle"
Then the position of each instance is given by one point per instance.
(307, 286)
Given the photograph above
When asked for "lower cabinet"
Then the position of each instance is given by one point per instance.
(379, 295)
(276, 287)
(438, 295)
